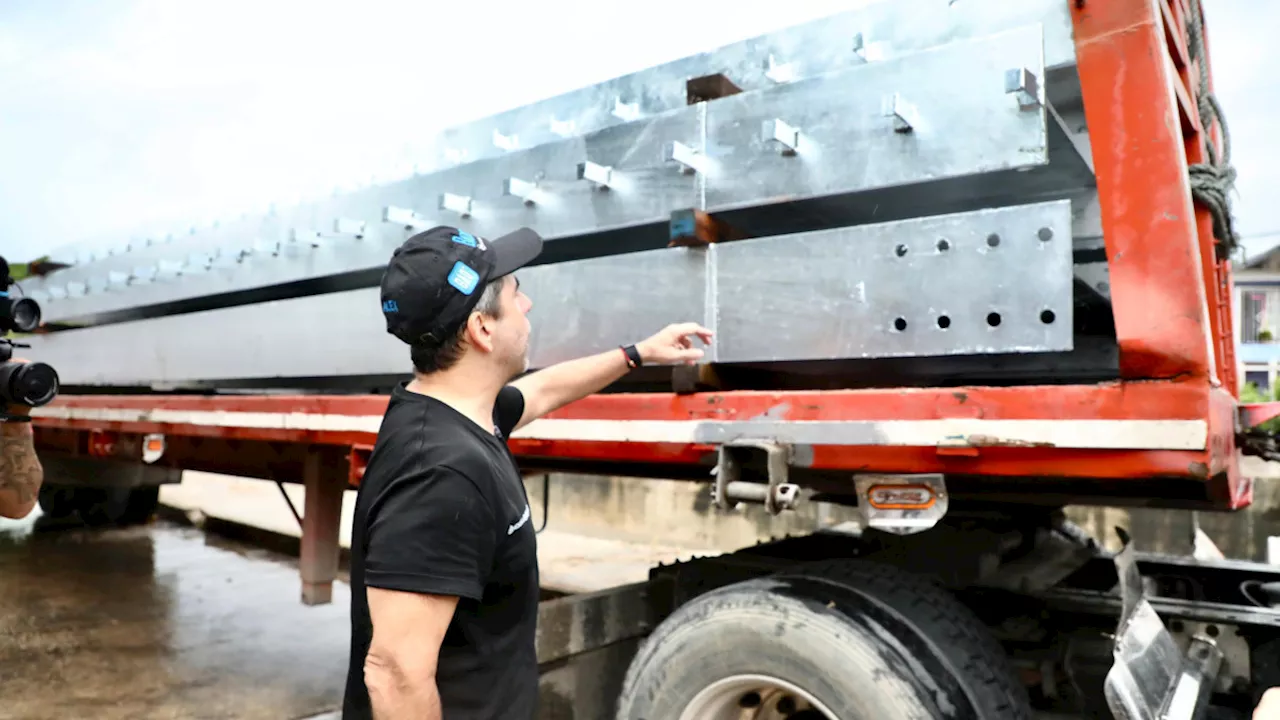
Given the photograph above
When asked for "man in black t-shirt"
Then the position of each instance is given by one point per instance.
(444, 566)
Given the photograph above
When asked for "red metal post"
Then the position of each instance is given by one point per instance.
(321, 521)
(1152, 239)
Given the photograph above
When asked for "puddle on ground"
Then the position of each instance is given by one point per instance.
(160, 621)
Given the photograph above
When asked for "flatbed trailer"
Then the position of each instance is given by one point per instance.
(965, 593)
(1040, 586)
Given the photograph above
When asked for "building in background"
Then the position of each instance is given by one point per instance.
(1257, 315)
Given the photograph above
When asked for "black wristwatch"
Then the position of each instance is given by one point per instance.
(633, 356)
(7, 418)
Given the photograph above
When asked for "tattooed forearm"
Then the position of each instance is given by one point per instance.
(20, 470)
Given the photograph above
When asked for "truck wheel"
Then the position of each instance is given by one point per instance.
(842, 640)
(56, 501)
(118, 505)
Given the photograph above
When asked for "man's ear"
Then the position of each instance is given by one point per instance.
(479, 334)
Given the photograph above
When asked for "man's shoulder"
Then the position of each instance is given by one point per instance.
(409, 450)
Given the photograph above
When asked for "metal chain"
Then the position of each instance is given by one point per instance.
(1211, 182)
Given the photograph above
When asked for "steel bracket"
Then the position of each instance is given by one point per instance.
(1152, 677)
(776, 495)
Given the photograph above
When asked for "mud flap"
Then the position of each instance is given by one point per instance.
(1150, 678)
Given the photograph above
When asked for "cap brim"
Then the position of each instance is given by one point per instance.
(515, 250)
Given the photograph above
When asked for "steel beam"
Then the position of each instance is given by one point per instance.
(990, 281)
(936, 130)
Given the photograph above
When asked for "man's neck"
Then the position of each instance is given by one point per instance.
(462, 391)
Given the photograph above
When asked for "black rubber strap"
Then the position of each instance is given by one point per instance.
(633, 356)
(6, 417)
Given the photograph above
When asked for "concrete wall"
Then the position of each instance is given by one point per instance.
(1240, 535)
(672, 512)
(680, 513)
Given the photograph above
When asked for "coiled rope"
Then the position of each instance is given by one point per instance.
(1212, 181)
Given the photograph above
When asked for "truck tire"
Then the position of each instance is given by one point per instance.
(120, 506)
(56, 501)
(843, 640)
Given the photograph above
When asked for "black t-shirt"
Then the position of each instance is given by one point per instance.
(442, 509)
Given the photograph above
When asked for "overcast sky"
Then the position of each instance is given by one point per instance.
(123, 116)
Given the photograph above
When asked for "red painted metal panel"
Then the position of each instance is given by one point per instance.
(1181, 400)
(1107, 401)
(1254, 414)
(309, 404)
(1153, 248)
(1174, 21)
(1221, 455)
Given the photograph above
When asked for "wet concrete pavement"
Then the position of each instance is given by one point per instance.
(173, 621)
(160, 621)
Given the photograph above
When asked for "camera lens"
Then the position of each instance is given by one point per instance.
(32, 384)
(25, 313)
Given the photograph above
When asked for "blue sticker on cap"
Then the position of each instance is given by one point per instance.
(463, 278)
(390, 306)
(465, 238)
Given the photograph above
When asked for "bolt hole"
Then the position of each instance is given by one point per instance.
(1177, 626)
(1045, 234)
(993, 319)
(944, 322)
(1212, 630)
(786, 705)
(1047, 317)
(944, 245)
(900, 324)
(900, 250)
(750, 700)
(993, 240)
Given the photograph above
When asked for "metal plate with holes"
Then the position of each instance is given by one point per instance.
(992, 281)
(829, 294)
(847, 145)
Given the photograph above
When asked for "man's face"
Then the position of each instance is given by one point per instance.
(513, 329)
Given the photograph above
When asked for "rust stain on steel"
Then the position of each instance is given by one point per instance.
(1198, 470)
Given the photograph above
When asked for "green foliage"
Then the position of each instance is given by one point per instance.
(1250, 393)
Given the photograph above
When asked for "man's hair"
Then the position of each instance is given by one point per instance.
(434, 359)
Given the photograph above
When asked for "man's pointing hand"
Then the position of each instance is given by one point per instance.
(674, 344)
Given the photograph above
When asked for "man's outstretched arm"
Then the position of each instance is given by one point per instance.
(20, 471)
(560, 384)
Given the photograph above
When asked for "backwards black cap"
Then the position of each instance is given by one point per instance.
(435, 279)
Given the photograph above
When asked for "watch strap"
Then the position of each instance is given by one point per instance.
(633, 356)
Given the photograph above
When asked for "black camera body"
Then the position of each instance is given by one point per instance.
(30, 384)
